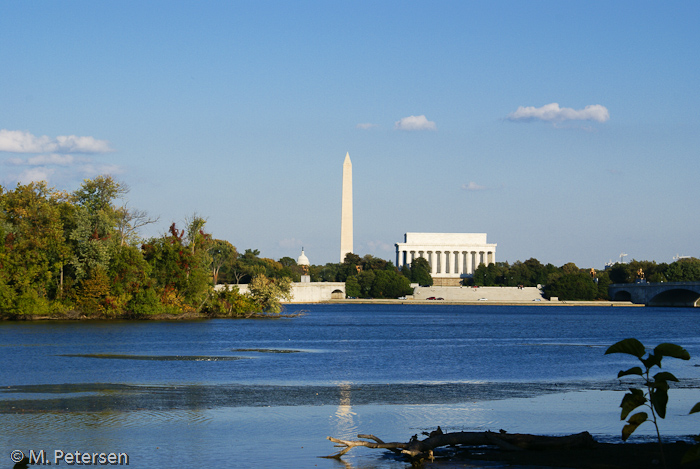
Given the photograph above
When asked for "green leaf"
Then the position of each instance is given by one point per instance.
(696, 408)
(651, 361)
(628, 346)
(635, 421)
(660, 384)
(665, 376)
(691, 455)
(632, 371)
(671, 350)
(638, 418)
(631, 401)
(659, 399)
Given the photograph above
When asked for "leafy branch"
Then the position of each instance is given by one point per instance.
(655, 394)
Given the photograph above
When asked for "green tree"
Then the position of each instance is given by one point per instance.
(652, 271)
(32, 249)
(684, 270)
(365, 279)
(326, 273)
(93, 225)
(602, 282)
(370, 262)
(348, 267)
(222, 254)
(573, 286)
(229, 302)
(352, 287)
(420, 272)
(389, 284)
(290, 269)
(181, 266)
(268, 293)
(485, 275)
(620, 273)
(92, 296)
(529, 273)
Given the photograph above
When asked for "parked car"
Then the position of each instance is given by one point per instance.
(430, 298)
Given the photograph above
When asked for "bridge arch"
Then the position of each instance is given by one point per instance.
(337, 294)
(622, 295)
(676, 297)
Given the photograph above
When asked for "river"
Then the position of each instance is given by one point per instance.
(266, 393)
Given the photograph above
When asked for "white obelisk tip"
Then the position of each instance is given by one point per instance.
(346, 210)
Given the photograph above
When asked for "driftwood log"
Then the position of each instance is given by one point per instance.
(416, 449)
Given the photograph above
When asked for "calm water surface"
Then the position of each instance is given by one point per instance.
(266, 393)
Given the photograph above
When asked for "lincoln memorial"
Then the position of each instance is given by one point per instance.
(452, 256)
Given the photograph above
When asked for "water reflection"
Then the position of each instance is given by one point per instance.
(175, 394)
(345, 424)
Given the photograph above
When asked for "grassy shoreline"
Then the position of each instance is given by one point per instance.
(197, 317)
(626, 304)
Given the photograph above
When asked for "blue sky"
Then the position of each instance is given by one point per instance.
(566, 131)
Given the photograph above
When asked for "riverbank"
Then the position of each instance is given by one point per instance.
(290, 312)
(486, 302)
(602, 455)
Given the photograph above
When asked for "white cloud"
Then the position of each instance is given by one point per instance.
(380, 245)
(50, 167)
(53, 157)
(34, 175)
(366, 126)
(553, 113)
(415, 123)
(17, 141)
(472, 186)
(90, 170)
(46, 160)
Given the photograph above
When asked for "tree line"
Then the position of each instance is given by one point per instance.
(79, 254)
(570, 282)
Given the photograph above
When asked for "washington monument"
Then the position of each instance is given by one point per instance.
(346, 210)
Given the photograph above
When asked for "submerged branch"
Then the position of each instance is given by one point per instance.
(421, 449)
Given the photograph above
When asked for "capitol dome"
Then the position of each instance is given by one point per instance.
(303, 260)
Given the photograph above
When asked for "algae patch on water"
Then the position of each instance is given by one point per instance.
(265, 350)
(190, 358)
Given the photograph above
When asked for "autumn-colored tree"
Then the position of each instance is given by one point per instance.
(229, 302)
(181, 265)
(268, 293)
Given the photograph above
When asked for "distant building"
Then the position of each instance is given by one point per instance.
(304, 263)
(346, 210)
(452, 256)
